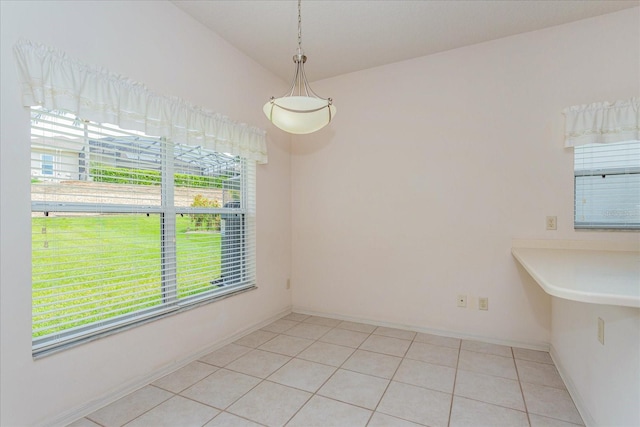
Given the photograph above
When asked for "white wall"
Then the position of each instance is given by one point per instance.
(154, 43)
(606, 378)
(413, 193)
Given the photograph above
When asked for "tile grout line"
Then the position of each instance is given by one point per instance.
(390, 381)
(455, 380)
(262, 380)
(292, 358)
(315, 393)
(526, 409)
(224, 410)
(498, 404)
(152, 408)
(342, 367)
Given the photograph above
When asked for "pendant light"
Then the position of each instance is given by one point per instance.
(300, 110)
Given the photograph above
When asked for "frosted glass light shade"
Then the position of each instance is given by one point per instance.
(299, 114)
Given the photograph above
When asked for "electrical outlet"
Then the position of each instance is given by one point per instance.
(483, 303)
(288, 283)
(601, 330)
(552, 223)
(462, 301)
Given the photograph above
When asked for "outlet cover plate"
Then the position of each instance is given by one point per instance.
(601, 330)
(462, 301)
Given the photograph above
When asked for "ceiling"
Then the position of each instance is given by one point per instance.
(342, 36)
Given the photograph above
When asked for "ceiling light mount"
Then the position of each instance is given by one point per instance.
(300, 110)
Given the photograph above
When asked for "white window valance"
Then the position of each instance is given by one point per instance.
(602, 122)
(54, 81)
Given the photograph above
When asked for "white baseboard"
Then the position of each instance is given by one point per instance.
(573, 390)
(541, 346)
(83, 410)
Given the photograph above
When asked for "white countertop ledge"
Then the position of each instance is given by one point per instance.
(586, 275)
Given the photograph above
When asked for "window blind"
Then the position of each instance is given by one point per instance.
(607, 185)
(127, 226)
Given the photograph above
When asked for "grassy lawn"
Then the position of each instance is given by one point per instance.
(96, 261)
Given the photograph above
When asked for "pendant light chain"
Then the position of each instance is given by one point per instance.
(299, 27)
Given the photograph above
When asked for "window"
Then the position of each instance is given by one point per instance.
(131, 227)
(46, 164)
(606, 141)
(607, 185)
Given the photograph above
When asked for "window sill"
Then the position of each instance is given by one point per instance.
(63, 346)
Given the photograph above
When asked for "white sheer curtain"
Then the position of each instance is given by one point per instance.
(602, 122)
(54, 81)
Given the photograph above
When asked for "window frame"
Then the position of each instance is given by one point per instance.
(167, 211)
(47, 165)
(601, 172)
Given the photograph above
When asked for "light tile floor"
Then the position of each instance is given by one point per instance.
(311, 371)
